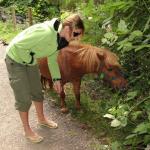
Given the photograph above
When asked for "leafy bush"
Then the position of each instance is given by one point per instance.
(42, 10)
(123, 26)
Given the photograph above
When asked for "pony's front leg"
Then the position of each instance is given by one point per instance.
(64, 109)
(76, 89)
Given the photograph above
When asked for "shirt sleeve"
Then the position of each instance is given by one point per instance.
(53, 66)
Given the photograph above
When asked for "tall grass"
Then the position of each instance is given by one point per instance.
(7, 31)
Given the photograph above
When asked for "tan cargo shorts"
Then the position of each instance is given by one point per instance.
(25, 82)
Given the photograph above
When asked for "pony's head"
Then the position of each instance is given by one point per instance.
(111, 70)
(99, 60)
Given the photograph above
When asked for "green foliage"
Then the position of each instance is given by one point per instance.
(124, 26)
(109, 38)
(118, 115)
(44, 10)
(7, 3)
(116, 146)
(140, 134)
(41, 10)
(7, 31)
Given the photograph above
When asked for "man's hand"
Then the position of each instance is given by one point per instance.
(57, 86)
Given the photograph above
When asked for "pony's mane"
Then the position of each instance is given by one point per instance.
(88, 55)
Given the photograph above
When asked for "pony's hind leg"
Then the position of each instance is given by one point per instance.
(76, 90)
(64, 109)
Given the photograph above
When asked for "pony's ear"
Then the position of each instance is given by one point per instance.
(101, 56)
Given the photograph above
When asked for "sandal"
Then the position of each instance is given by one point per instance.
(49, 124)
(35, 139)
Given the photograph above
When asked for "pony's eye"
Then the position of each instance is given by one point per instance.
(110, 69)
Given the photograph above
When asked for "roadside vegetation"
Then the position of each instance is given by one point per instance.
(7, 31)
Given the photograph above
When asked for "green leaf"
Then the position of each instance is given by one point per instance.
(134, 141)
(136, 114)
(109, 116)
(131, 136)
(123, 120)
(109, 38)
(116, 146)
(104, 40)
(109, 35)
(147, 24)
(122, 27)
(131, 95)
(135, 34)
(142, 128)
(147, 139)
(127, 47)
(115, 123)
(140, 47)
(128, 141)
(112, 110)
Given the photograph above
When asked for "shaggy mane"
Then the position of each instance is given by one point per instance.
(88, 56)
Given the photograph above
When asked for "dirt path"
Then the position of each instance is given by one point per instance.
(69, 135)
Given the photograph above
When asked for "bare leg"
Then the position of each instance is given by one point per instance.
(39, 111)
(25, 121)
(32, 136)
(41, 117)
(76, 89)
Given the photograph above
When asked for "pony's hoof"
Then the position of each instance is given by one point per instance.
(64, 110)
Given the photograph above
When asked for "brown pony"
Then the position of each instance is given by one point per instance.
(76, 60)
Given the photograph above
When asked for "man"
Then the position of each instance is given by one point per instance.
(40, 40)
